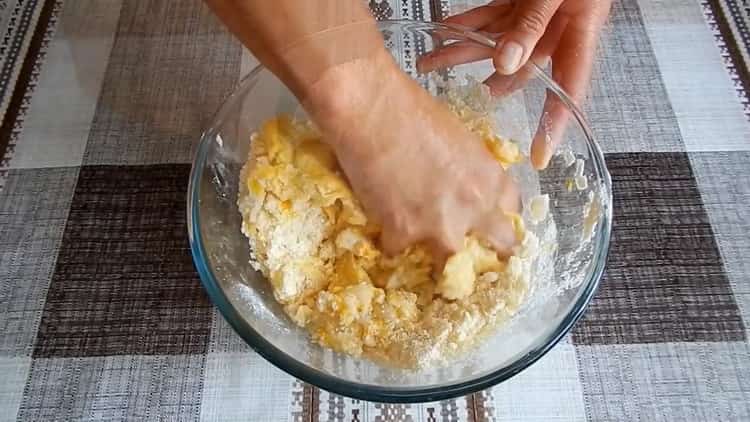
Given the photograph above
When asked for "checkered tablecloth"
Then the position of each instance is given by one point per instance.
(102, 316)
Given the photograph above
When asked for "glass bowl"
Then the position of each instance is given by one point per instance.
(582, 218)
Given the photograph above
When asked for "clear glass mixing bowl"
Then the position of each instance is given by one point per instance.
(245, 298)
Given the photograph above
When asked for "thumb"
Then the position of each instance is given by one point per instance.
(531, 18)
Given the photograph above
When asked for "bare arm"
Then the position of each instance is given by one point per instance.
(417, 171)
(300, 40)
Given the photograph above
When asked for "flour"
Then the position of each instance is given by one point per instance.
(311, 240)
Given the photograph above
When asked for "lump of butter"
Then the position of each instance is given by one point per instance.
(458, 276)
(538, 208)
(461, 269)
(310, 237)
(505, 152)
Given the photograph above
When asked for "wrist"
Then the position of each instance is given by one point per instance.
(308, 60)
(354, 97)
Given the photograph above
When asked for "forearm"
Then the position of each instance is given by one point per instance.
(299, 40)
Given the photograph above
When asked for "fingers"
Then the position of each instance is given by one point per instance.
(394, 241)
(530, 23)
(480, 16)
(466, 52)
(497, 230)
(494, 226)
(571, 69)
(501, 85)
(452, 55)
(494, 18)
(552, 124)
(442, 248)
(509, 200)
(447, 238)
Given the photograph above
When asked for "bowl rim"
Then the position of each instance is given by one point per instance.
(392, 394)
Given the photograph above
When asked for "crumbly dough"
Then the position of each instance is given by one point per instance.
(310, 237)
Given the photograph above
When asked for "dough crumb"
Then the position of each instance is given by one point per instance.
(311, 239)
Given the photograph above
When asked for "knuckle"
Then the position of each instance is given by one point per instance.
(403, 224)
(449, 242)
(533, 21)
(397, 222)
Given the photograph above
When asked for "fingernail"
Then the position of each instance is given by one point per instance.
(509, 59)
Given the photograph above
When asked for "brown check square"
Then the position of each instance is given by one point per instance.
(124, 282)
(665, 280)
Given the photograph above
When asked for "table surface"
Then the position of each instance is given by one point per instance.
(102, 316)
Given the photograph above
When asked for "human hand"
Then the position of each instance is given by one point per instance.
(416, 169)
(563, 31)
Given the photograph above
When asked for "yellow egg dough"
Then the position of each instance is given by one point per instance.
(310, 237)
